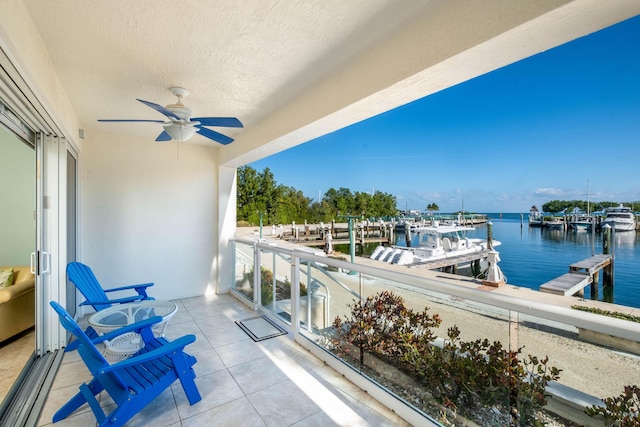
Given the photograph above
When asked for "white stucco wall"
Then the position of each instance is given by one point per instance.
(149, 214)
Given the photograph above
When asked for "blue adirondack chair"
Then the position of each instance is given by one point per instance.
(83, 278)
(132, 383)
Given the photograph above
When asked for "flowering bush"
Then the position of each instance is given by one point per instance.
(468, 375)
(383, 326)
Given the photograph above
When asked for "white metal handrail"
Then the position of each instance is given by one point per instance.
(603, 324)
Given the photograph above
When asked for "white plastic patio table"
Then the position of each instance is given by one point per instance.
(115, 317)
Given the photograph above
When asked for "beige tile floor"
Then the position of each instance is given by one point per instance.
(274, 382)
(14, 355)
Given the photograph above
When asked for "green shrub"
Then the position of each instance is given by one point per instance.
(383, 326)
(616, 314)
(459, 374)
(623, 410)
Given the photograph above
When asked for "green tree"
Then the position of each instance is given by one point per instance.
(382, 205)
(291, 206)
(247, 192)
(268, 194)
(322, 212)
(259, 193)
(341, 201)
(362, 203)
(557, 206)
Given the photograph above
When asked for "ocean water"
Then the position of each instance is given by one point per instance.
(530, 257)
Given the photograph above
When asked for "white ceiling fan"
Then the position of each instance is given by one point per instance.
(181, 126)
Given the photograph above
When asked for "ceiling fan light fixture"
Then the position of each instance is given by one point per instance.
(181, 126)
(179, 132)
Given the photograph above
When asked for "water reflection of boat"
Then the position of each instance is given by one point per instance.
(620, 218)
(626, 239)
(435, 242)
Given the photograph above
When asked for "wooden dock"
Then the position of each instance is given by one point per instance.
(320, 243)
(580, 274)
(452, 261)
(318, 234)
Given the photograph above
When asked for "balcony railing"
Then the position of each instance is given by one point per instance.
(308, 291)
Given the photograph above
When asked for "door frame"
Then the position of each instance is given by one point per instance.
(50, 259)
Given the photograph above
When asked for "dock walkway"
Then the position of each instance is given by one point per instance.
(580, 274)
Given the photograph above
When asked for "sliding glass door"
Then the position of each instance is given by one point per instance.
(37, 235)
(72, 209)
(18, 237)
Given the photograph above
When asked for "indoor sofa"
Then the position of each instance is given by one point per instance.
(17, 303)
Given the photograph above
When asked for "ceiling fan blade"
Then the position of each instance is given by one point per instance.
(216, 136)
(130, 120)
(227, 122)
(160, 109)
(164, 136)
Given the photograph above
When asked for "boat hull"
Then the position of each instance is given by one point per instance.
(620, 219)
(581, 225)
(620, 226)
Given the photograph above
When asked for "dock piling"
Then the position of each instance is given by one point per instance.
(607, 273)
(407, 235)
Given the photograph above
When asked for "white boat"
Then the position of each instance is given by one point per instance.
(554, 223)
(620, 218)
(535, 219)
(403, 222)
(435, 242)
(582, 222)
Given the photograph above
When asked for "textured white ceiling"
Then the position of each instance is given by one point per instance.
(290, 70)
(237, 58)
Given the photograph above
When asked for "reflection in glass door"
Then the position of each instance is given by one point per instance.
(71, 226)
(17, 234)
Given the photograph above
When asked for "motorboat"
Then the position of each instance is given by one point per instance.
(554, 223)
(404, 223)
(535, 218)
(620, 218)
(582, 222)
(435, 242)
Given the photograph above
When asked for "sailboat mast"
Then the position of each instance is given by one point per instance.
(588, 210)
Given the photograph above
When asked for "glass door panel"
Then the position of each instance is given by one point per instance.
(18, 236)
(72, 167)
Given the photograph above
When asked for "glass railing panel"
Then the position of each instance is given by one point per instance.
(243, 269)
(275, 279)
(419, 362)
(461, 376)
(500, 346)
(326, 292)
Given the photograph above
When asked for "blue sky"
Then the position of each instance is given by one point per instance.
(542, 129)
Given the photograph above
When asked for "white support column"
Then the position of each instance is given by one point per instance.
(221, 268)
